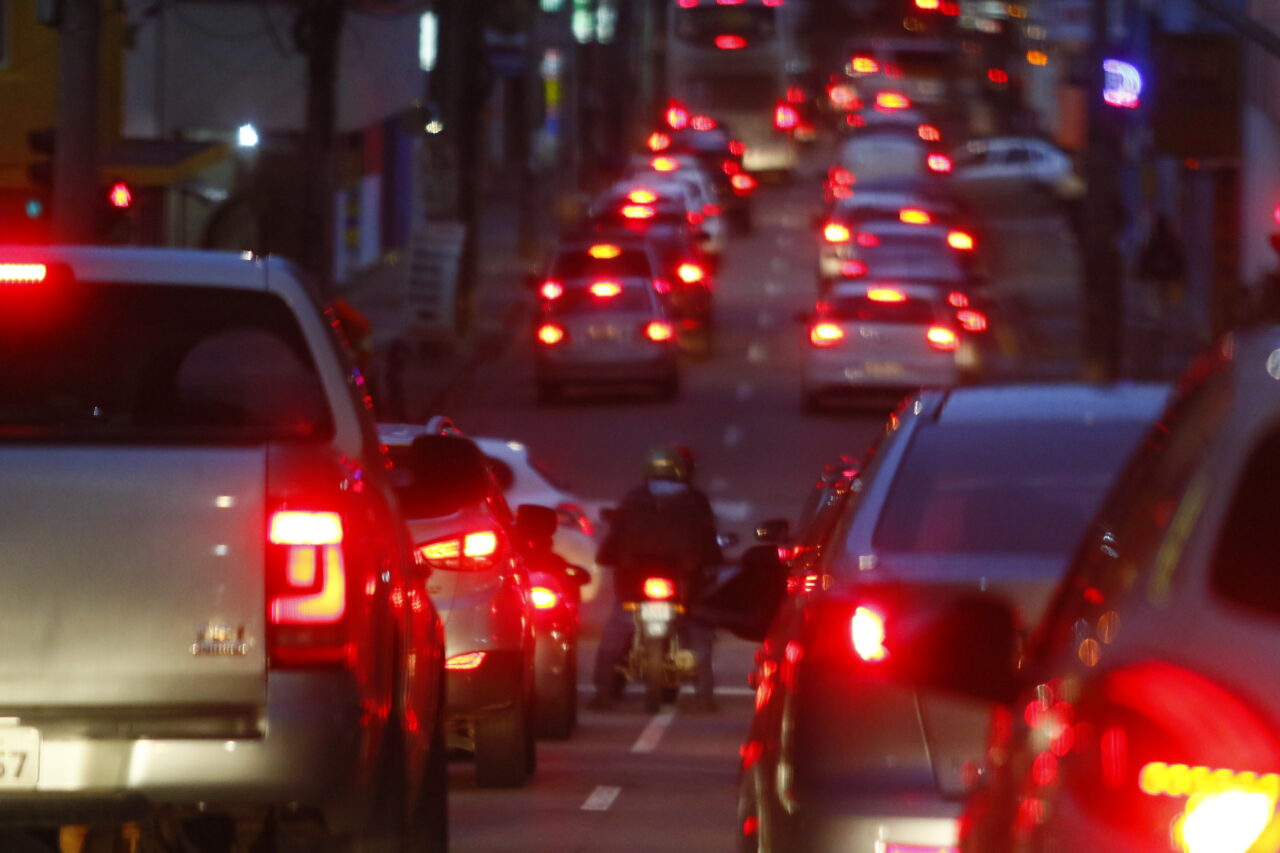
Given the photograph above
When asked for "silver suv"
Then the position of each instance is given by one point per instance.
(211, 606)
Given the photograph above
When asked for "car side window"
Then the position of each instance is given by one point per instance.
(1135, 520)
(1244, 563)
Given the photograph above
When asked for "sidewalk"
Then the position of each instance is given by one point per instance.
(413, 380)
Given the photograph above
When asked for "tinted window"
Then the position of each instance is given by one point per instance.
(1245, 567)
(703, 24)
(993, 488)
(579, 264)
(156, 363)
(851, 309)
(635, 298)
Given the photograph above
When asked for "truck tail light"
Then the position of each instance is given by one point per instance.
(471, 552)
(307, 587)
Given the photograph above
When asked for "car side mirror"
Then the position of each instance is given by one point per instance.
(775, 530)
(446, 472)
(746, 603)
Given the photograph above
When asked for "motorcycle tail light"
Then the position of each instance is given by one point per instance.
(544, 598)
(659, 589)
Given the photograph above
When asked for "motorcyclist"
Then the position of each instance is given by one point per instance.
(664, 520)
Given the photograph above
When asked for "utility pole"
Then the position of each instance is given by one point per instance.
(75, 154)
(318, 32)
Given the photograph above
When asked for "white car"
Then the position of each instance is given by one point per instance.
(687, 170)
(525, 481)
(1008, 164)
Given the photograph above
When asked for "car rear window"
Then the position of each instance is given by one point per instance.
(634, 298)
(1002, 488)
(580, 264)
(145, 362)
(853, 309)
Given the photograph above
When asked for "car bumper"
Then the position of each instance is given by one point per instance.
(660, 367)
(920, 826)
(824, 373)
(313, 747)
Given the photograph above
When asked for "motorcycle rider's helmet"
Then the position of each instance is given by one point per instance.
(666, 462)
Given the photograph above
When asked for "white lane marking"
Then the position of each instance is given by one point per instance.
(772, 289)
(652, 734)
(765, 320)
(757, 353)
(746, 390)
(601, 798)
(732, 510)
(732, 435)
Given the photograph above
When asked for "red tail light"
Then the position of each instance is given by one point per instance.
(637, 211)
(841, 177)
(929, 133)
(997, 75)
(927, 5)
(690, 273)
(551, 333)
(710, 209)
(866, 630)
(855, 120)
(661, 285)
(23, 273)
(956, 299)
(825, 335)
(677, 115)
(730, 42)
(664, 164)
(864, 65)
(785, 116)
(890, 101)
(742, 183)
(659, 331)
(737, 148)
(551, 290)
(939, 163)
(642, 196)
(604, 289)
(960, 240)
(865, 239)
(472, 552)
(310, 583)
(914, 216)
(834, 232)
(544, 598)
(801, 584)
(465, 662)
(942, 339)
(703, 123)
(695, 217)
(853, 269)
(886, 294)
(659, 141)
(659, 589)
(971, 320)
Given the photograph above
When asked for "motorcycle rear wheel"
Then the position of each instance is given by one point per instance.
(655, 659)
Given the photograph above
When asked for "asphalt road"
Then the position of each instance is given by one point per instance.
(628, 781)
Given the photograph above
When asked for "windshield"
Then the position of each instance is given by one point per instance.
(141, 363)
(1001, 488)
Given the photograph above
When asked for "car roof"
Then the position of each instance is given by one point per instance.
(1053, 402)
(136, 264)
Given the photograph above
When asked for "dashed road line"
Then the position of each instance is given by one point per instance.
(652, 734)
(601, 798)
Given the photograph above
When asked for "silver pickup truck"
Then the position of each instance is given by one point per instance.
(211, 620)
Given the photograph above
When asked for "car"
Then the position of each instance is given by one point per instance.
(968, 489)
(850, 250)
(703, 199)
(208, 580)
(720, 156)
(1004, 166)
(874, 342)
(885, 153)
(910, 218)
(463, 531)
(526, 480)
(606, 333)
(1144, 715)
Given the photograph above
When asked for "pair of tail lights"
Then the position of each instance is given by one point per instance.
(826, 334)
(658, 331)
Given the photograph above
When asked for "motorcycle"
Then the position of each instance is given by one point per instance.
(658, 658)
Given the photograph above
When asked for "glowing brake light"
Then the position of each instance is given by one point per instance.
(840, 96)
(785, 116)
(889, 101)
(120, 196)
(927, 5)
(481, 544)
(637, 211)
(886, 294)
(960, 240)
(825, 335)
(550, 334)
(867, 632)
(605, 289)
(914, 216)
(742, 182)
(551, 290)
(659, 589)
(737, 148)
(661, 285)
(929, 133)
(853, 269)
(659, 331)
(939, 163)
(864, 65)
(23, 273)
(834, 232)
(730, 42)
(690, 273)
(842, 177)
(642, 196)
(865, 239)
(465, 662)
(659, 141)
(665, 164)
(971, 320)
(956, 299)
(1228, 822)
(677, 116)
(710, 209)
(703, 123)
(943, 339)
(289, 527)
(608, 251)
(474, 551)
(543, 598)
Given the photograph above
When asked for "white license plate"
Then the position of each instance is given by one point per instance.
(883, 369)
(660, 611)
(19, 757)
